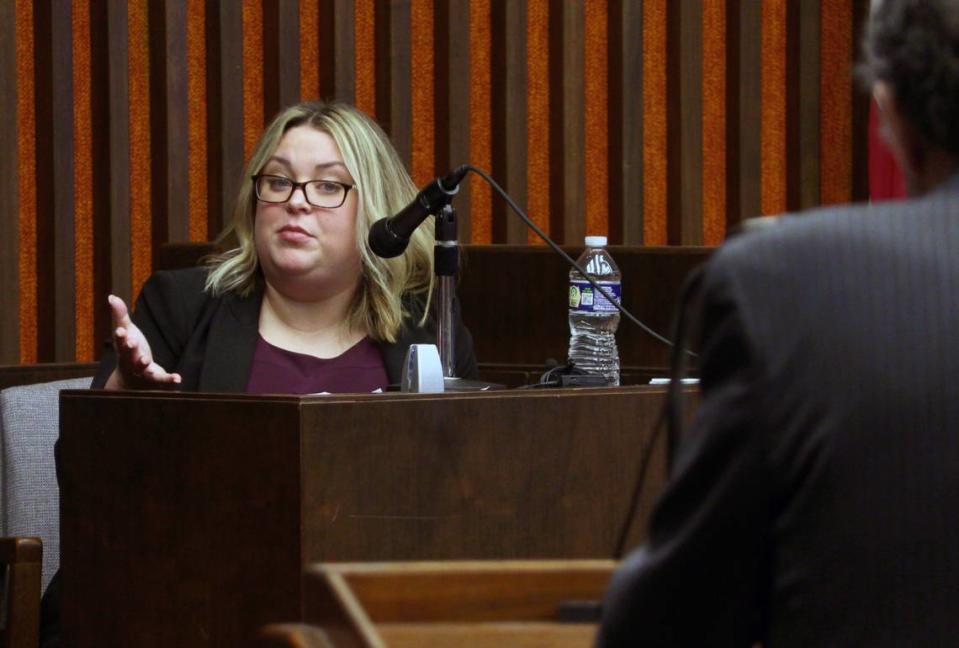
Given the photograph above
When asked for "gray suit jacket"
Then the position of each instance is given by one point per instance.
(815, 498)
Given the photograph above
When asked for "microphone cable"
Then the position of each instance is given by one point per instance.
(670, 414)
(530, 224)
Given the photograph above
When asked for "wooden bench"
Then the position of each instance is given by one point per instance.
(461, 604)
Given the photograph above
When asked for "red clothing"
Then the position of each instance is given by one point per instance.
(359, 369)
(885, 179)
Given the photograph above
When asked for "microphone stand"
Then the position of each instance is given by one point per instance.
(446, 261)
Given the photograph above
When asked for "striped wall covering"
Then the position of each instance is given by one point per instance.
(658, 122)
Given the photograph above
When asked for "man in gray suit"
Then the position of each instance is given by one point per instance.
(814, 501)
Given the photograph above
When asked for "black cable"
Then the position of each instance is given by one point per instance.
(530, 224)
(670, 414)
(677, 364)
(637, 490)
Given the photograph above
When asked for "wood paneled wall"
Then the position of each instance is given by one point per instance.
(655, 121)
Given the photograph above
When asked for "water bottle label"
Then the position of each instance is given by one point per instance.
(597, 266)
(586, 299)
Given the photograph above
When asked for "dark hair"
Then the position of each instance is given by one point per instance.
(913, 45)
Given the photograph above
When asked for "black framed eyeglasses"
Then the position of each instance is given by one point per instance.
(328, 194)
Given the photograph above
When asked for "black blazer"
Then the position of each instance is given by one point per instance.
(210, 341)
(815, 498)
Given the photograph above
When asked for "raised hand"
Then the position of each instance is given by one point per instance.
(135, 366)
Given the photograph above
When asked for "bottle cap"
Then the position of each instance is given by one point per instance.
(595, 241)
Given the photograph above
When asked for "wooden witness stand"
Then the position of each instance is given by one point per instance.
(186, 519)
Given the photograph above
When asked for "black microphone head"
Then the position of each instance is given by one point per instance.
(389, 236)
(451, 181)
(384, 242)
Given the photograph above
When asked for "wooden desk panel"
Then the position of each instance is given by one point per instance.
(173, 511)
(515, 301)
(514, 475)
(186, 517)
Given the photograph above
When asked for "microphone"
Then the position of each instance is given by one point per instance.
(389, 236)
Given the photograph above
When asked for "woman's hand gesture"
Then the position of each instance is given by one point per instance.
(135, 366)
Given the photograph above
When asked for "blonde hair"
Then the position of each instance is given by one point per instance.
(383, 187)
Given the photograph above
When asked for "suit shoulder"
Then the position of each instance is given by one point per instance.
(178, 293)
(796, 229)
(821, 240)
(186, 283)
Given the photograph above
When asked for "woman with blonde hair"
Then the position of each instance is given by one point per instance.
(296, 302)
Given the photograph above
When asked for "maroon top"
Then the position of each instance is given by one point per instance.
(357, 370)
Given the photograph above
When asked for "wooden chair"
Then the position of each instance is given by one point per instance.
(461, 604)
(21, 562)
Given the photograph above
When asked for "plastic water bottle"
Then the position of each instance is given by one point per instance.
(592, 318)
